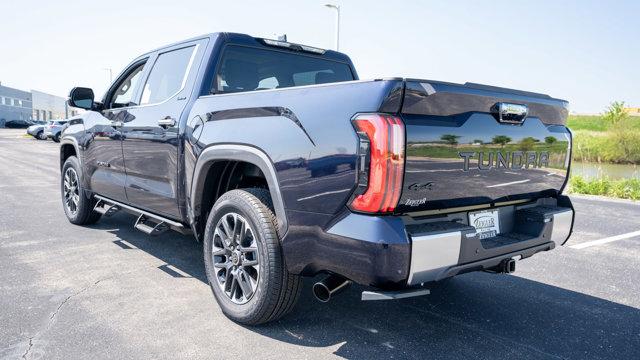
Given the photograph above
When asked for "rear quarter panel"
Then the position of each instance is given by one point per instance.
(305, 131)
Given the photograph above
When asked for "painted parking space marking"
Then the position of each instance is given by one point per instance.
(509, 183)
(605, 240)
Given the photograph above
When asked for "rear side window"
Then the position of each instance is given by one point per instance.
(168, 75)
(247, 69)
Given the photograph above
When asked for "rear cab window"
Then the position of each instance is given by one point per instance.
(244, 68)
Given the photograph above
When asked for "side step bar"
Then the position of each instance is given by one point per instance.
(393, 295)
(106, 209)
(147, 222)
(150, 227)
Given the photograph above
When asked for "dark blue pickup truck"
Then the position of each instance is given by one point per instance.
(284, 164)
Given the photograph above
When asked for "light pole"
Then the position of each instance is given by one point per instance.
(337, 9)
(110, 74)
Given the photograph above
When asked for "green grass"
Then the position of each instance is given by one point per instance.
(597, 123)
(620, 146)
(596, 140)
(622, 188)
(587, 122)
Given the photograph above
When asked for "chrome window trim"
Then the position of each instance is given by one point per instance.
(184, 80)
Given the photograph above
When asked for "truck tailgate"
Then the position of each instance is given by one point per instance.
(461, 152)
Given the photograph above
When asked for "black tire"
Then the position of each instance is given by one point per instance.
(81, 213)
(56, 137)
(277, 290)
(40, 136)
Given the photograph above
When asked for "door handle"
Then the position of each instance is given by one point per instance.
(167, 121)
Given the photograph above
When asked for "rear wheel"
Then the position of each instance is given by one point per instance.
(243, 259)
(77, 207)
(41, 136)
(56, 137)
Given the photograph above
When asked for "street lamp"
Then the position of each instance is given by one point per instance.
(110, 74)
(337, 9)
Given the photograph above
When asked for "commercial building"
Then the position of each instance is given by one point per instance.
(50, 107)
(632, 111)
(24, 106)
(15, 105)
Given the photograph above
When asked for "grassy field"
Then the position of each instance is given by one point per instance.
(623, 188)
(596, 123)
(596, 140)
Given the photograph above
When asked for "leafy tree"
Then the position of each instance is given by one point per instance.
(615, 113)
(550, 140)
(526, 144)
(450, 139)
(478, 141)
(501, 140)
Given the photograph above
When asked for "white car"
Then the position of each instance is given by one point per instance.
(37, 131)
(53, 129)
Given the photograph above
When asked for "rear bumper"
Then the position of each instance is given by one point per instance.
(396, 252)
(435, 256)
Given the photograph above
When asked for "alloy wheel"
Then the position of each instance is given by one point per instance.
(71, 190)
(235, 258)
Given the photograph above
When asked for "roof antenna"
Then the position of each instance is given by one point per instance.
(282, 37)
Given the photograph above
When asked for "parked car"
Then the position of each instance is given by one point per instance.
(37, 130)
(53, 129)
(17, 124)
(286, 165)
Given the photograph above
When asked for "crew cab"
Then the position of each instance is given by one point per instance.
(284, 164)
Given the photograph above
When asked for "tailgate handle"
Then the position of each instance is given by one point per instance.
(509, 113)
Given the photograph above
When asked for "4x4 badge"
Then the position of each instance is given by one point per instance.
(420, 187)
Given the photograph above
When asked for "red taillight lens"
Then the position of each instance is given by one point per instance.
(382, 153)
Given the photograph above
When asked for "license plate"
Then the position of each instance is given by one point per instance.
(487, 223)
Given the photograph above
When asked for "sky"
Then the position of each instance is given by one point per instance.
(586, 52)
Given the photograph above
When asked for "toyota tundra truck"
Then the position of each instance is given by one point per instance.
(284, 165)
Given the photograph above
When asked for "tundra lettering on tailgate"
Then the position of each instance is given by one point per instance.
(509, 160)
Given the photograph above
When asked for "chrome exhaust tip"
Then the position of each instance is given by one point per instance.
(330, 286)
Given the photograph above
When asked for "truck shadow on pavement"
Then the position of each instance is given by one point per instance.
(475, 315)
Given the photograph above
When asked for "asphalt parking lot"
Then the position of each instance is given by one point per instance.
(108, 291)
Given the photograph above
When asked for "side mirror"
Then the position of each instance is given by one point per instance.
(81, 98)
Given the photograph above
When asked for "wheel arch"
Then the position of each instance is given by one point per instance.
(235, 152)
(68, 147)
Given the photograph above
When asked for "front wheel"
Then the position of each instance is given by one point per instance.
(77, 207)
(56, 137)
(243, 259)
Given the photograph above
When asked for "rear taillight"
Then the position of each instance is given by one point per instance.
(381, 163)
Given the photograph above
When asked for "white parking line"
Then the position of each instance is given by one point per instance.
(509, 183)
(605, 240)
(323, 194)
